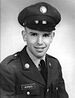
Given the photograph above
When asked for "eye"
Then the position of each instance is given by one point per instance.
(33, 34)
(46, 35)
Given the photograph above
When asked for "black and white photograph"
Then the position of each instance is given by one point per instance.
(37, 49)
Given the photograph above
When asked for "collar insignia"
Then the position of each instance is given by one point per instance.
(27, 65)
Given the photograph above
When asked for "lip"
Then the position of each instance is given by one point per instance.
(40, 48)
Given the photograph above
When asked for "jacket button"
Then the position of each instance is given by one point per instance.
(49, 64)
(56, 88)
(47, 89)
(28, 93)
(15, 55)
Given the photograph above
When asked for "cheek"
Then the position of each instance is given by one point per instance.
(47, 41)
(31, 40)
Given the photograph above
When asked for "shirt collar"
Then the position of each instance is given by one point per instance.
(34, 59)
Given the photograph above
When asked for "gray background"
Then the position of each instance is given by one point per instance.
(63, 46)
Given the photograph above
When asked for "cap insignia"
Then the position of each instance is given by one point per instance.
(43, 9)
(44, 22)
(36, 21)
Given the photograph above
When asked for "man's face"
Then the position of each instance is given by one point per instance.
(37, 42)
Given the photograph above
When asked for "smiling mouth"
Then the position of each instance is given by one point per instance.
(39, 48)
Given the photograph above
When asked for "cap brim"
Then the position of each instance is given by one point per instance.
(30, 22)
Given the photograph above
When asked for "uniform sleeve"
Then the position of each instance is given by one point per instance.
(7, 81)
(61, 91)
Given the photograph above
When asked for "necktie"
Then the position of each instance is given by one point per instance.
(43, 70)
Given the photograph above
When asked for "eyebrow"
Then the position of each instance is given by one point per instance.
(32, 32)
(40, 32)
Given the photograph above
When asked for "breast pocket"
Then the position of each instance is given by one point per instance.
(28, 90)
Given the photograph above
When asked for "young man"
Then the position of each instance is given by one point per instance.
(31, 73)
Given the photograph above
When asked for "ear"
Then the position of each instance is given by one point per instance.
(24, 35)
(52, 35)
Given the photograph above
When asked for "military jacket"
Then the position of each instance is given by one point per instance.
(19, 78)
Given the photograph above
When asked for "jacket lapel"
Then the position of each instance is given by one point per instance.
(29, 68)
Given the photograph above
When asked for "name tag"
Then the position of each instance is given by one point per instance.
(28, 86)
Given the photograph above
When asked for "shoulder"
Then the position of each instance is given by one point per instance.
(52, 58)
(10, 59)
(9, 63)
(54, 62)
(54, 65)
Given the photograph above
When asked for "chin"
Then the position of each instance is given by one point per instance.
(39, 56)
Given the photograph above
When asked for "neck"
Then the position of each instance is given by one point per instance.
(34, 59)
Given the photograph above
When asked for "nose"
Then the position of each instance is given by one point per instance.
(40, 40)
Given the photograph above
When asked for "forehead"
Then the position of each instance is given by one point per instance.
(36, 31)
